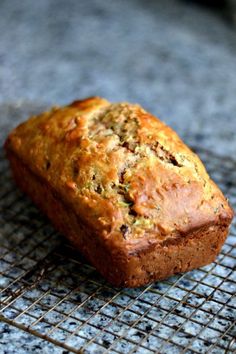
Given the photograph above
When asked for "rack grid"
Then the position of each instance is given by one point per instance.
(48, 290)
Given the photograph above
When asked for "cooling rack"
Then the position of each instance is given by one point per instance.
(48, 290)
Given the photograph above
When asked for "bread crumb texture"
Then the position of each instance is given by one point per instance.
(125, 173)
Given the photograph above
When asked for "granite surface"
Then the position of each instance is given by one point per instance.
(176, 59)
(16, 341)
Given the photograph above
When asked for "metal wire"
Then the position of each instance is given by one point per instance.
(48, 290)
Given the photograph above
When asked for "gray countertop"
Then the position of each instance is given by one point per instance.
(176, 59)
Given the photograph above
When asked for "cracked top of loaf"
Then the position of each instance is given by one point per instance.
(125, 174)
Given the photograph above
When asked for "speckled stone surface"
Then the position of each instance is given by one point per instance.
(175, 59)
(14, 341)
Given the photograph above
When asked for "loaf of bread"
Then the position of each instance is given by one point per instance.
(123, 188)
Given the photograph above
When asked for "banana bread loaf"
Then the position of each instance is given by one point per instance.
(123, 188)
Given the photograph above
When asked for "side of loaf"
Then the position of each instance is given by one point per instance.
(123, 187)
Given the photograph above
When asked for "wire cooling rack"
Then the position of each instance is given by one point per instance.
(47, 289)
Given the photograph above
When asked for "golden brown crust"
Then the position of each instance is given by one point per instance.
(129, 179)
(122, 269)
